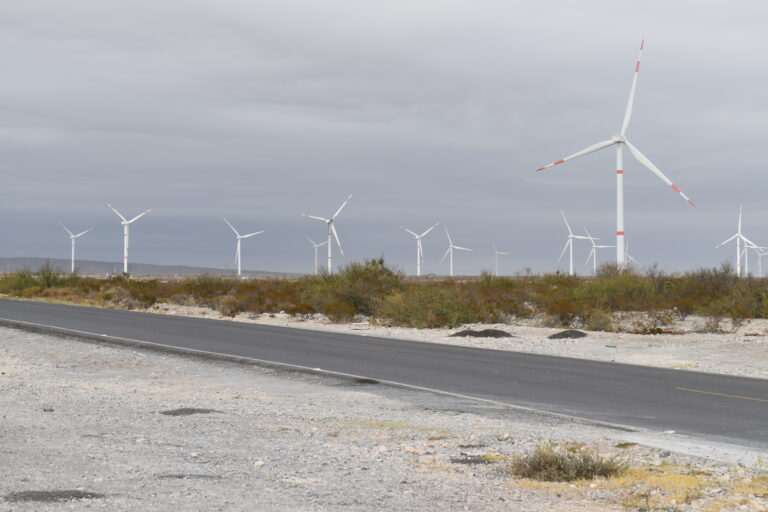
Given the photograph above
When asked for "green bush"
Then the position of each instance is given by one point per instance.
(427, 306)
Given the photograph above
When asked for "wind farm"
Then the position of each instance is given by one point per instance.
(349, 294)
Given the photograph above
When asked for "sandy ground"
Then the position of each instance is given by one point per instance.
(117, 428)
(743, 352)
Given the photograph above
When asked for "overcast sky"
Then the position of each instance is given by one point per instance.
(427, 110)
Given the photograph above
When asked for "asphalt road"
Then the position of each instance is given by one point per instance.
(718, 407)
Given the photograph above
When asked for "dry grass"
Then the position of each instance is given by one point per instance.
(550, 463)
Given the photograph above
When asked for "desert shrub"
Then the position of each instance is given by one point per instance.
(16, 282)
(549, 463)
(428, 306)
(364, 285)
(48, 276)
(231, 305)
(339, 311)
(599, 320)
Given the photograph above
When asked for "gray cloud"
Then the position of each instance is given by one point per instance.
(426, 111)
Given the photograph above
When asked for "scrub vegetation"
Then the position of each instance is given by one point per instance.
(383, 293)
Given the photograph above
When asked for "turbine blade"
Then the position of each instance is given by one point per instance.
(566, 223)
(231, 226)
(139, 215)
(117, 212)
(586, 151)
(450, 242)
(591, 255)
(462, 248)
(655, 170)
(315, 217)
(336, 236)
(590, 237)
(411, 232)
(564, 249)
(430, 229)
(725, 242)
(65, 229)
(252, 234)
(445, 255)
(631, 100)
(341, 207)
(84, 232)
(310, 240)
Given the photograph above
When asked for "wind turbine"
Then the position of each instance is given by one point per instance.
(238, 252)
(419, 247)
(496, 254)
(73, 237)
(593, 252)
(620, 140)
(451, 247)
(331, 231)
(739, 252)
(316, 246)
(569, 244)
(126, 223)
(628, 257)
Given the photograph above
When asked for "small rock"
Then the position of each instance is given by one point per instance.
(258, 463)
(567, 334)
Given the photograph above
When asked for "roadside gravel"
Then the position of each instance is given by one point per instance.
(140, 430)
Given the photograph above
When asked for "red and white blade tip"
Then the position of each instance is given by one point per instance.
(550, 165)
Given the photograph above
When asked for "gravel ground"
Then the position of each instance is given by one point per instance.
(125, 429)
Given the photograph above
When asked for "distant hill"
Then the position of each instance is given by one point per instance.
(86, 267)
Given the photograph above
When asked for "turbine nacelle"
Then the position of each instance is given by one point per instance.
(618, 138)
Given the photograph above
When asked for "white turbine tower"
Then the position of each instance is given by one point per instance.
(331, 232)
(73, 237)
(316, 246)
(238, 252)
(593, 252)
(419, 247)
(451, 247)
(740, 253)
(496, 254)
(569, 244)
(126, 223)
(620, 141)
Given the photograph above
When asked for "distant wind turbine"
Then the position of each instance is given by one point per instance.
(740, 253)
(569, 244)
(125, 224)
(496, 254)
(73, 237)
(449, 252)
(316, 246)
(331, 232)
(593, 252)
(620, 141)
(419, 247)
(238, 252)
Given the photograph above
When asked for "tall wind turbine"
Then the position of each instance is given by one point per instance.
(620, 141)
(628, 257)
(316, 246)
(739, 237)
(496, 254)
(419, 247)
(126, 223)
(451, 247)
(331, 232)
(569, 244)
(593, 252)
(238, 252)
(73, 237)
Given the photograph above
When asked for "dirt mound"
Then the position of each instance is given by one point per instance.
(485, 333)
(570, 333)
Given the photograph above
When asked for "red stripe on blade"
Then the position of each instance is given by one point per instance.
(674, 187)
(642, 43)
(540, 169)
(559, 162)
(637, 67)
(692, 203)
